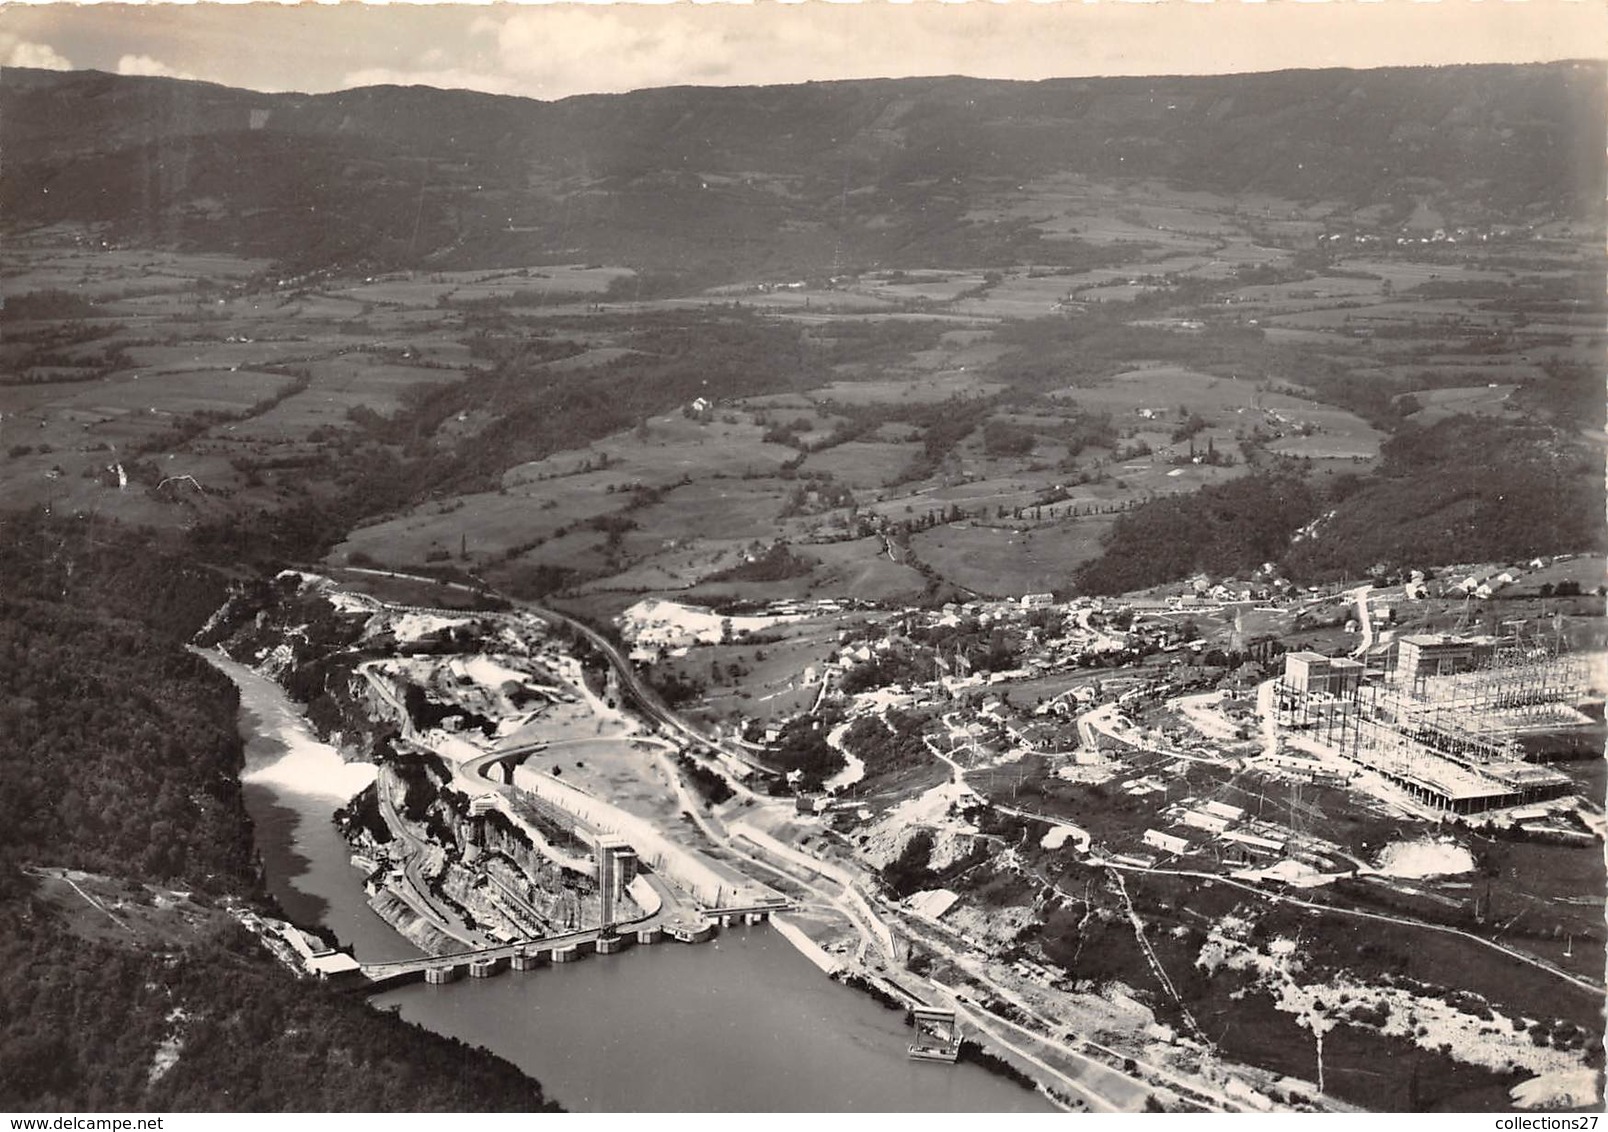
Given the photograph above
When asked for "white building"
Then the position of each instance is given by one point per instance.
(1166, 842)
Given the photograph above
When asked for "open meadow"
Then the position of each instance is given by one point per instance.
(1158, 359)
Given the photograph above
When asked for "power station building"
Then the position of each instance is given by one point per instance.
(1320, 692)
(1421, 729)
(1424, 656)
(1310, 673)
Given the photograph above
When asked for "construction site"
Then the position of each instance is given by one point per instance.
(1444, 717)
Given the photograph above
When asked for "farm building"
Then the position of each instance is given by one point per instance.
(1166, 842)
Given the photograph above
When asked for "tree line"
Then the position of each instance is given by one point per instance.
(120, 754)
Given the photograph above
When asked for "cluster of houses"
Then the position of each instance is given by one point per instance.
(1481, 585)
(1485, 582)
(1438, 236)
(1202, 591)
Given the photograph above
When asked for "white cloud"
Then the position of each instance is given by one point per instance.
(559, 51)
(554, 52)
(548, 49)
(145, 65)
(16, 52)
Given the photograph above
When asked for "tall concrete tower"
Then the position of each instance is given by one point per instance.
(616, 868)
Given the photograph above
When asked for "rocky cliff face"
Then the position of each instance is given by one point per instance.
(415, 928)
(482, 870)
(298, 631)
(481, 873)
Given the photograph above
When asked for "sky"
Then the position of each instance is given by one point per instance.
(554, 50)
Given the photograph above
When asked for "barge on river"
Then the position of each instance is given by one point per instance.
(937, 1034)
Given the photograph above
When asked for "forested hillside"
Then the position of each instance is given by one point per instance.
(85, 1021)
(1228, 528)
(1466, 489)
(704, 182)
(121, 748)
(119, 754)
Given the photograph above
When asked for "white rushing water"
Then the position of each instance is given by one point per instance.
(308, 766)
(312, 768)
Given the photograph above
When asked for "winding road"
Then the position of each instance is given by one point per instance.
(1111, 1087)
(415, 892)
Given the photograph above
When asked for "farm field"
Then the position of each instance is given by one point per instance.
(921, 391)
(864, 570)
(192, 367)
(1491, 399)
(430, 289)
(1003, 438)
(775, 680)
(245, 360)
(1005, 562)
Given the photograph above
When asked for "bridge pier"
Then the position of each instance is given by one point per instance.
(695, 933)
(530, 955)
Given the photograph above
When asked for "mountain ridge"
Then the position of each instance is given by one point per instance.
(873, 162)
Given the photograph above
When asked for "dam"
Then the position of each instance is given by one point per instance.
(742, 1022)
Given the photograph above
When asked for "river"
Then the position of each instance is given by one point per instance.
(742, 1024)
(293, 783)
